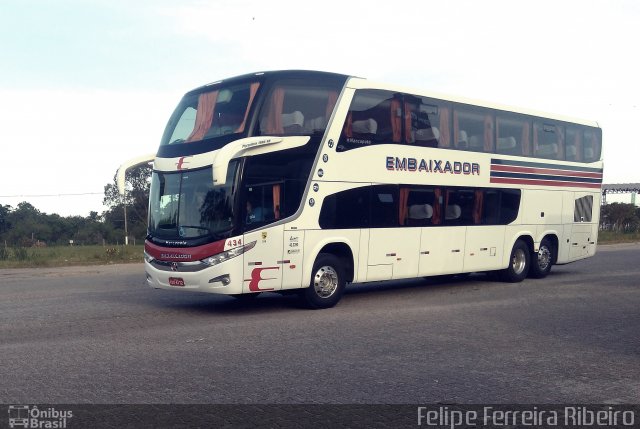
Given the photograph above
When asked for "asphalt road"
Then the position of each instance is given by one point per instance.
(99, 335)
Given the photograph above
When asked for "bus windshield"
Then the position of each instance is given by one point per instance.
(218, 112)
(185, 205)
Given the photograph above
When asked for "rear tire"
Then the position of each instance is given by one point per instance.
(327, 283)
(519, 263)
(542, 261)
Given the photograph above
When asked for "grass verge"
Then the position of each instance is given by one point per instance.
(61, 256)
(608, 237)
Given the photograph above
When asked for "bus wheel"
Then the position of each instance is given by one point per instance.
(542, 261)
(518, 263)
(327, 282)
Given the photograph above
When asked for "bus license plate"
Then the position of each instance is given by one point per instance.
(176, 281)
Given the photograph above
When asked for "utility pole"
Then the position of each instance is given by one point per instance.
(124, 206)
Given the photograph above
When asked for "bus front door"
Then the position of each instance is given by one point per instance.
(263, 264)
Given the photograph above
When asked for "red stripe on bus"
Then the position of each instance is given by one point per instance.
(558, 172)
(184, 254)
(545, 182)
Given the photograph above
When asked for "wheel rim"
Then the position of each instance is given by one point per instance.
(544, 258)
(325, 281)
(519, 261)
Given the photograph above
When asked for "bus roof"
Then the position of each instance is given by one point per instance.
(362, 83)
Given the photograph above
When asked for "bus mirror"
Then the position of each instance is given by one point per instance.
(122, 170)
(219, 174)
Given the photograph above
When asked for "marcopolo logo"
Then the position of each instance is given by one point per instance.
(25, 416)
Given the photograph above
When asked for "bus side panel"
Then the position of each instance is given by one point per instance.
(442, 250)
(584, 225)
(484, 248)
(564, 242)
(542, 207)
(263, 265)
(293, 259)
(394, 248)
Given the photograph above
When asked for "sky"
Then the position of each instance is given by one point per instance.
(86, 85)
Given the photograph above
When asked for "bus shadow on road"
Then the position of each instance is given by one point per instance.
(222, 304)
(266, 302)
(429, 284)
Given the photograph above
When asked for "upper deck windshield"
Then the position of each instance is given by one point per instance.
(207, 115)
(285, 104)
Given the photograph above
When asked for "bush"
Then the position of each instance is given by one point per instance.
(21, 254)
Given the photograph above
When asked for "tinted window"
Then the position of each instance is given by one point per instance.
(509, 205)
(211, 114)
(384, 206)
(592, 144)
(391, 206)
(374, 117)
(583, 209)
(514, 134)
(346, 210)
(473, 129)
(422, 206)
(273, 184)
(548, 140)
(426, 122)
(297, 109)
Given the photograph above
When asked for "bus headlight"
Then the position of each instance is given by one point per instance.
(148, 257)
(228, 254)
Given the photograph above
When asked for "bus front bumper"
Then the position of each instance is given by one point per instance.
(224, 278)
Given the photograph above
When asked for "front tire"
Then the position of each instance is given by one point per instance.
(327, 283)
(543, 260)
(519, 263)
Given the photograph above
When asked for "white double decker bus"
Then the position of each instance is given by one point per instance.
(307, 181)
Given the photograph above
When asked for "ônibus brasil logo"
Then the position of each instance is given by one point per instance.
(26, 416)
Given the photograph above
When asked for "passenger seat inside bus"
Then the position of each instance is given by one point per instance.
(463, 140)
(315, 124)
(506, 144)
(452, 212)
(292, 122)
(419, 214)
(365, 129)
(548, 150)
(427, 136)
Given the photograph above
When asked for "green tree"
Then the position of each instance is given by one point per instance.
(620, 217)
(4, 219)
(137, 182)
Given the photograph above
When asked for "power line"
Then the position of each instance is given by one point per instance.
(52, 195)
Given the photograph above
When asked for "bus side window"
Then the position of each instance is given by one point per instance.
(461, 207)
(384, 206)
(548, 140)
(509, 205)
(591, 145)
(346, 210)
(514, 135)
(573, 144)
(491, 207)
(473, 129)
(420, 204)
(372, 119)
(423, 123)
